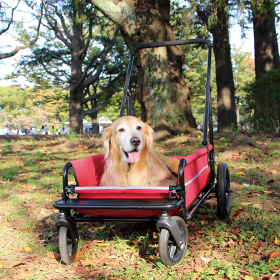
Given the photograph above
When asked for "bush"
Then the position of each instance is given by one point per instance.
(263, 101)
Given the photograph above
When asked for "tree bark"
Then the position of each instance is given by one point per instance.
(224, 78)
(76, 92)
(265, 39)
(161, 88)
(224, 75)
(266, 47)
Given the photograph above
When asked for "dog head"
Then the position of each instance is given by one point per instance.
(127, 137)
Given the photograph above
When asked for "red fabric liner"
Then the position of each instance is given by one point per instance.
(89, 172)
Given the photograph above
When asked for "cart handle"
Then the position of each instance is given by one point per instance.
(182, 165)
(65, 172)
(153, 45)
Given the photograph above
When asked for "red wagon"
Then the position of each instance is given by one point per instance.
(169, 206)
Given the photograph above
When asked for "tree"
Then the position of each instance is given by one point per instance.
(265, 37)
(262, 14)
(6, 22)
(266, 114)
(71, 59)
(214, 14)
(187, 26)
(161, 89)
(32, 107)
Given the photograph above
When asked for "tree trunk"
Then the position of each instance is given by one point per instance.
(76, 92)
(224, 76)
(161, 88)
(224, 79)
(265, 44)
(265, 40)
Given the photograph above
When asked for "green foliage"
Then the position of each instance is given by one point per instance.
(243, 72)
(51, 62)
(263, 8)
(263, 101)
(185, 23)
(32, 107)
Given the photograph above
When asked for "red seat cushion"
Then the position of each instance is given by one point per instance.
(89, 170)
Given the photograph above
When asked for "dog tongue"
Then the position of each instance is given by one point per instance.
(133, 156)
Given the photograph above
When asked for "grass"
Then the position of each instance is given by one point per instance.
(238, 248)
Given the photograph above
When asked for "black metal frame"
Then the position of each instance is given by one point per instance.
(176, 198)
(208, 121)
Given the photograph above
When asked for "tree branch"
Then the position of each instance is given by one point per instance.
(85, 48)
(120, 12)
(58, 34)
(58, 58)
(100, 106)
(11, 21)
(202, 15)
(96, 96)
(17, 49)
(91, 80)
(54, 75)
(67, 33)
(100, 66)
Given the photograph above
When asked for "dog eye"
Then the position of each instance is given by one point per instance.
(138, 127)
(121, 130)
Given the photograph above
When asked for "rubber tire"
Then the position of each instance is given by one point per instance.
(223, 191)
(167, 243)
(67, 248)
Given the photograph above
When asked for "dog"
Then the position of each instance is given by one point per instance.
(130, 159)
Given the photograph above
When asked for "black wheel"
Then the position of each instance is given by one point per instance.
(68, 246)
(223, 191)
(168, 250)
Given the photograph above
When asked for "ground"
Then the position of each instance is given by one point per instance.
(245, 246)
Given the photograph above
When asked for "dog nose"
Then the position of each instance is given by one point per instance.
(135, 141)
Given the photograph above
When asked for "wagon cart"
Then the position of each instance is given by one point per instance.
(170, 207)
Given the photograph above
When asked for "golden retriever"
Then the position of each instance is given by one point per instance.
(130, 159)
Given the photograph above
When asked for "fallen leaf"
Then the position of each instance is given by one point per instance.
(87, 262)
(27, 249)
(95, 228)
(273, 171)
(198, 261)
(81, 270)
(50, 260)
(205, 260)
(199, 268)
(247, 277)
(102, 244)
(273, 255)
(53, 255)
(151, 258)
(134, 241)
(267, 239)
(79, 256)
(186, 270)
(271, 181)
(16, 264)
(277, 241)
(268, 192)
(252, 238)
(213, 271)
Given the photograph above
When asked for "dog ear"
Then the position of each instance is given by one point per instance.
(148, 132)
(107, 135)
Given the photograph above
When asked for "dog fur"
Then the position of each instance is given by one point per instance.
(130, 158)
